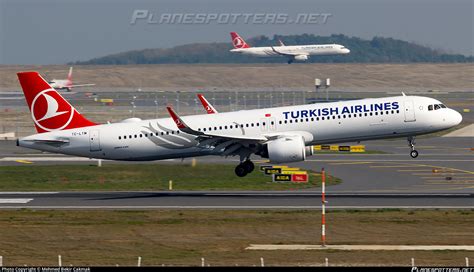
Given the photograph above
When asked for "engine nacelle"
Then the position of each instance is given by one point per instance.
(301, 57)
(287, 149)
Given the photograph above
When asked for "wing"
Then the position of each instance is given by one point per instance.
(220, 144)
(80, 85)
(288, 53)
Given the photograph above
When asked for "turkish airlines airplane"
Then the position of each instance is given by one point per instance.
(281, 134)
(291, 52)
(66, 84)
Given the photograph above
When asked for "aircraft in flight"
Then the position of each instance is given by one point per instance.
(66, 84)
(291, 52)
(281, 134)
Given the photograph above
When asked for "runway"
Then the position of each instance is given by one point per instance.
(230, 200)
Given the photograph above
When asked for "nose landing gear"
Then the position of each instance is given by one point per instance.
(244, 168)
(411, 144)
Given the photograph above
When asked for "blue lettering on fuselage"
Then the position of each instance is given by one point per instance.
(342, 110)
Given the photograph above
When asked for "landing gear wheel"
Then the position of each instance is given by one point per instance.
(241, 170)
(290, 61)
(249, 166)
(411, 144)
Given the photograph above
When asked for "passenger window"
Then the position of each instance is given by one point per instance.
(430, 107)
(120, 138)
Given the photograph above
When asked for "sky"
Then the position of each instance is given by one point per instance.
(59, 31)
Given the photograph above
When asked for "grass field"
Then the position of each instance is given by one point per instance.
(183, 237)
(413, 75)
(140, 177)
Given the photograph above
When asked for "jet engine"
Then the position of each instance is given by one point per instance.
(301, 57)
(286, 149)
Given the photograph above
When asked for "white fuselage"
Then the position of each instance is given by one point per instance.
(295, 50)
(156, 139)
(60, 84)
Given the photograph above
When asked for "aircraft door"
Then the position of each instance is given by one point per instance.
(94, 140)
(409, 111)
(272, 121)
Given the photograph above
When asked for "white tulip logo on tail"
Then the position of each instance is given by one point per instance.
(48, 114)
(238, 43)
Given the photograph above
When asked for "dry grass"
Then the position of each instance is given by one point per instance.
(429, 76)
(183, 237)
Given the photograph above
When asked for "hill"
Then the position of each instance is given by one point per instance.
(377, 50)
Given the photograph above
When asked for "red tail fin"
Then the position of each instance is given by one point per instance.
(207, 106)
(49, 110)
(69, 77)
(237, 41)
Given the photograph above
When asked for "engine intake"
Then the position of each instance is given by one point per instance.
(287, 149)
(301, 57)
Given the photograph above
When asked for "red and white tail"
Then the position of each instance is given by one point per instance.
(207, 106)
(49, 110)
(237, 41)
(69, 77)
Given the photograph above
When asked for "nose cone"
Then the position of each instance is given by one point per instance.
(345, 51)
(456, 118)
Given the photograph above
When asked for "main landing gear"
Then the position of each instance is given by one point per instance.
(411, 144)
(290, 61)
(244, 168)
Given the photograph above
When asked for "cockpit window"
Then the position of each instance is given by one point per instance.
(437, 107)
(443, 106)
(430, 107)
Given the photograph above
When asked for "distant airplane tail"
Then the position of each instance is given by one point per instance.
(49, 110)
(69, 77)
(237, 41)
(207, 106)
